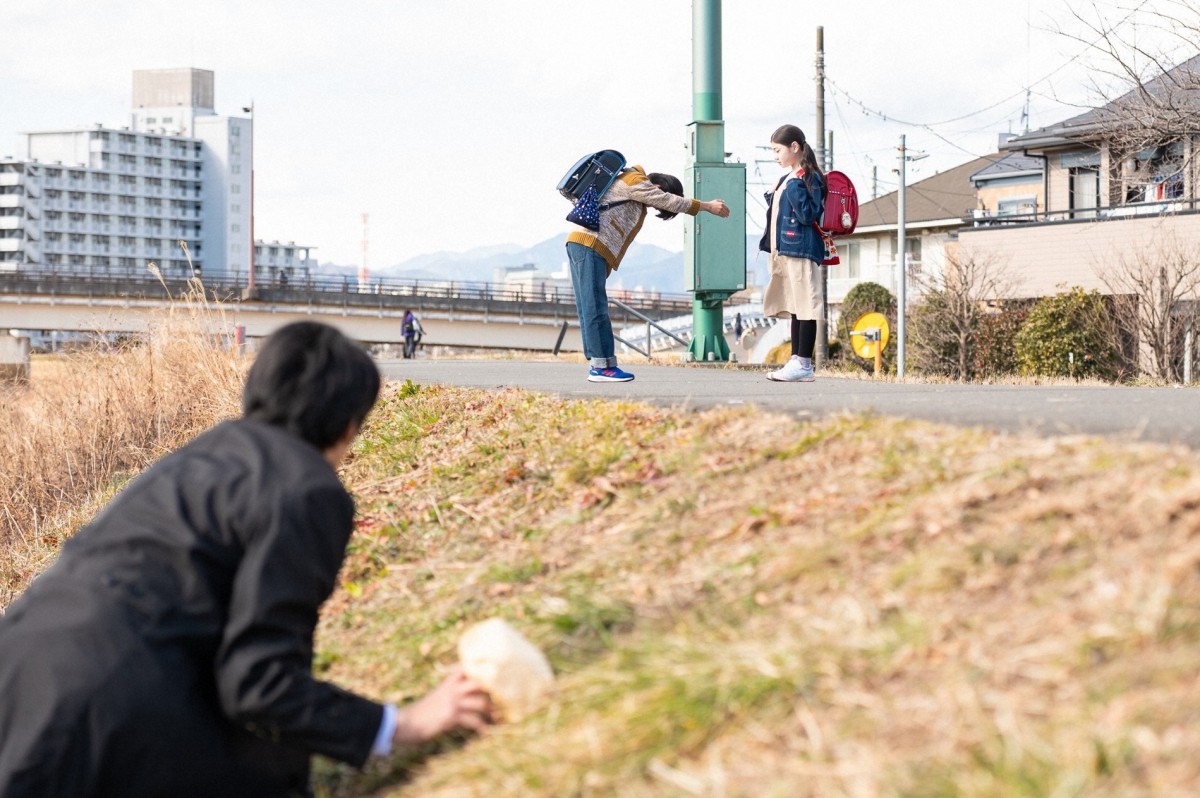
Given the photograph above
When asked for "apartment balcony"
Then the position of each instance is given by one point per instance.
(30, 227)
(11, 244)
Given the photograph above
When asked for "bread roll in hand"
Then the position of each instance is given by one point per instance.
(513, 671)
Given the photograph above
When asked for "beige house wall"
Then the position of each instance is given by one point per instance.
(1046, 258)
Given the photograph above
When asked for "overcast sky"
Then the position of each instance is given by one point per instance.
(449, 122)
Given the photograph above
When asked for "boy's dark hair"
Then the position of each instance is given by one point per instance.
(311, 380)
(669, 184)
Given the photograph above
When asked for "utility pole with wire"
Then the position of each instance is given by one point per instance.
(826, 162)
(902, 253)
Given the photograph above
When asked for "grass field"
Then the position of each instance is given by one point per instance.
(740, 604)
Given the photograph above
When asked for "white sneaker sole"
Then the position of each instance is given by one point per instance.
(609, 379)
(809, 378)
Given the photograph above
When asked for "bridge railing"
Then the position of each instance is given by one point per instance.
(334, 289)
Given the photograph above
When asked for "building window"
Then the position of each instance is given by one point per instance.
(1016, 206)
(1084, 186)
(912, 250)
(848, 254)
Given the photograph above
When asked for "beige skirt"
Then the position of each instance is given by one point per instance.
(794, 288)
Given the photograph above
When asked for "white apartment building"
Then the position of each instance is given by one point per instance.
(112, 200)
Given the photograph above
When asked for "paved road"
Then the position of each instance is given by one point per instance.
(1164, 415)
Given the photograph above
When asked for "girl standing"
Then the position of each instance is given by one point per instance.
(796, 249)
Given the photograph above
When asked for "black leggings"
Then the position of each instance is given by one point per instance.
(804, 336)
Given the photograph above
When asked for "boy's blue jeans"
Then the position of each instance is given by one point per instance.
(588, 274)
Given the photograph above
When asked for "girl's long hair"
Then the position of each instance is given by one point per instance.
(788, 135)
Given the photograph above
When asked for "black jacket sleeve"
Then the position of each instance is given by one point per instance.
(294, 548)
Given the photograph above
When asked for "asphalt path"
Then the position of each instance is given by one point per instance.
(1161, 415)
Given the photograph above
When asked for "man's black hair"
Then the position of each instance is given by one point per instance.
(311, 380)
(669, 184)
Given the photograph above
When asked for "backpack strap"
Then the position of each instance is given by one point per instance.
(606, 205)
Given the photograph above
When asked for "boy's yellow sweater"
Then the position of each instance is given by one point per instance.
(620, 225)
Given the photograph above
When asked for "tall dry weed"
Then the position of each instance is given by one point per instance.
(91, 419)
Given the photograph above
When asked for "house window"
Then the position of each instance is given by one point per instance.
(1016, 206)
(1153, 174)
(912, 254)
(848, 254)
(1084, 191)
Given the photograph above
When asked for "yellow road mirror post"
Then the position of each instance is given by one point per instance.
(868, 338)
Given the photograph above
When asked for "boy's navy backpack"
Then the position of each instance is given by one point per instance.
(841, 205)
(585, 183)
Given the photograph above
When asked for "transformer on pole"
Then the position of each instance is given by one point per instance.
(714, 248)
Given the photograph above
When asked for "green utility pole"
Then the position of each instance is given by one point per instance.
(714, 248)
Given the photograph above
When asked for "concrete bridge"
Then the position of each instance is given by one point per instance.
(453, 313)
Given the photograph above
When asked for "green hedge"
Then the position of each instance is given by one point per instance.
(1068, 335)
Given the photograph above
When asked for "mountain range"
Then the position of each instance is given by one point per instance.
(645, 266)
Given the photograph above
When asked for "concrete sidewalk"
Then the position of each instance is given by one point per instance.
(1163, 415)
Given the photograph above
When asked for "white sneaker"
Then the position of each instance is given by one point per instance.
(792, 371)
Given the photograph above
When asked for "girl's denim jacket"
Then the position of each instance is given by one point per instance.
(801, 203)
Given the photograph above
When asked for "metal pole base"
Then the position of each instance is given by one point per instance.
(708, 331)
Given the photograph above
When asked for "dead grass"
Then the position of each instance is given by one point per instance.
(736, 603)
(741, 605)
(89, 420)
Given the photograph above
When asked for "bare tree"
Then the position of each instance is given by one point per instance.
(1146, 68)
(1155, 290)
(946, 320)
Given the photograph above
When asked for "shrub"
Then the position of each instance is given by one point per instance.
(1068, 335)
(931, 348)
(995, 342)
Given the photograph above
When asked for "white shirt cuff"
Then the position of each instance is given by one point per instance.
(387, 728)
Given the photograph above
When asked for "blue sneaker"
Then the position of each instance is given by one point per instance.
(611, 374)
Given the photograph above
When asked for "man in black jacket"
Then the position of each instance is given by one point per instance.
(168, 650)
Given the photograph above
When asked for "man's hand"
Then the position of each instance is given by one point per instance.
(716, 208)
(456, 703)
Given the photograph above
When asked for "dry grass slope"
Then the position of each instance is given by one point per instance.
(742, 605)
(737, 604)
